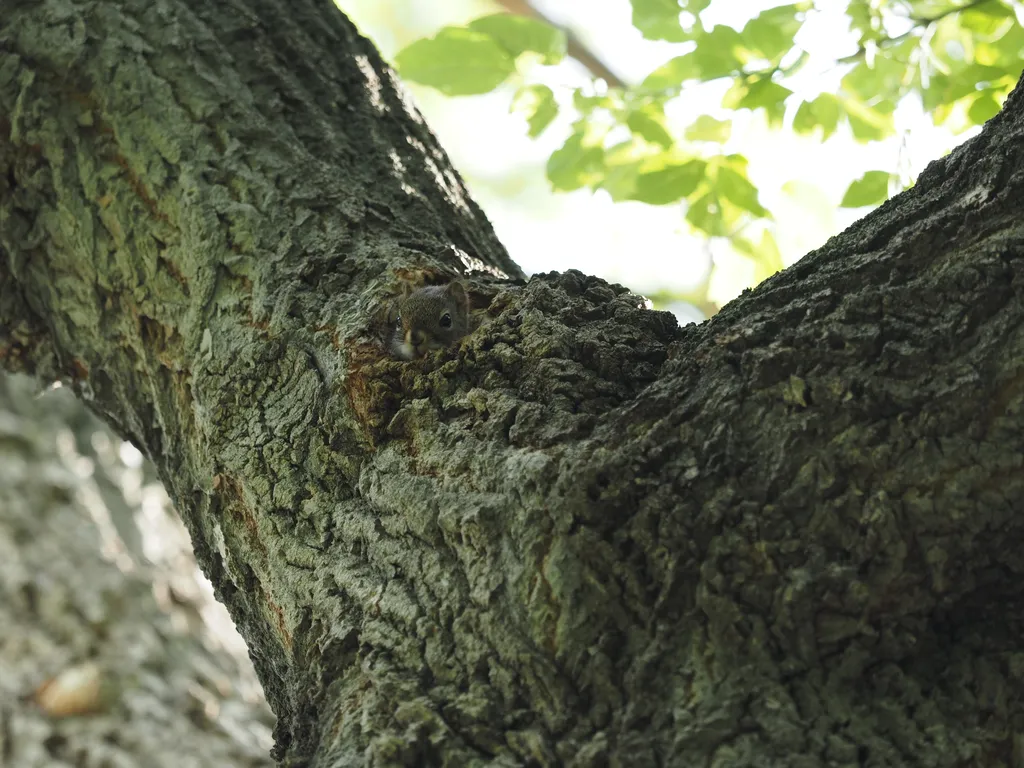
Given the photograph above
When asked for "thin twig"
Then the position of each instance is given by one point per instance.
(918, 22)
(575, 47)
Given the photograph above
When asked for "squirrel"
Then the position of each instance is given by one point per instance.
(430, 318)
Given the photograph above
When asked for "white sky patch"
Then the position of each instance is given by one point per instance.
(373, 84)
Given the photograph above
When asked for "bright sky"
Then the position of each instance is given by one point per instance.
(644, 247)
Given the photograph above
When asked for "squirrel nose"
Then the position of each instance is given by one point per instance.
(415, 338)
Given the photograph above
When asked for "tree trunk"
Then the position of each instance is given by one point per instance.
(788, 536)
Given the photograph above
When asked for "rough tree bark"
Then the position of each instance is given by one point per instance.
(788, 536)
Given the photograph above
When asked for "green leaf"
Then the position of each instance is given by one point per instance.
(720, 52)
(623, 163)
(987, 19)
(537, 103)
(586, 102)
(737, 189)
(1005, 52)
(705, 214)
(649, 123)
(759, 94)
(737, 161)
(577, 163)
(869, 123)
(456, 61)
(823, 112)
(672, 73)
(771, 32)
(620, 181)
(984, 108)
(870, 189)
(943, 89)
(519, 34)
(866, 20)
(669, 183)
(885, 78)
(706, 128)
(658, 20)
(946, 89)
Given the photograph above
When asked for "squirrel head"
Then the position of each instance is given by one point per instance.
(430, 318)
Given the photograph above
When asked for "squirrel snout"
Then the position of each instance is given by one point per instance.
(417, 340)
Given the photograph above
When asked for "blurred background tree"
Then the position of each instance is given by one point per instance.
(113, 650)
(691, 148)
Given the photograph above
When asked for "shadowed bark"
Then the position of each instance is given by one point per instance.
(787, 536)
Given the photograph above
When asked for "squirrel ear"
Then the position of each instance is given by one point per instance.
(457, 291)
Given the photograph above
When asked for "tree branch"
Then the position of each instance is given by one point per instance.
(919, 22)
(576, 47)
(788, 535)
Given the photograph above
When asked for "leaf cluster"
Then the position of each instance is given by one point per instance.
(957, 59)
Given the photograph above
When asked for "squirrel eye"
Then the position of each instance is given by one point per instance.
(446, 320)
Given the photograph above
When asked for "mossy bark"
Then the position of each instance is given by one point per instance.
(788, 536)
